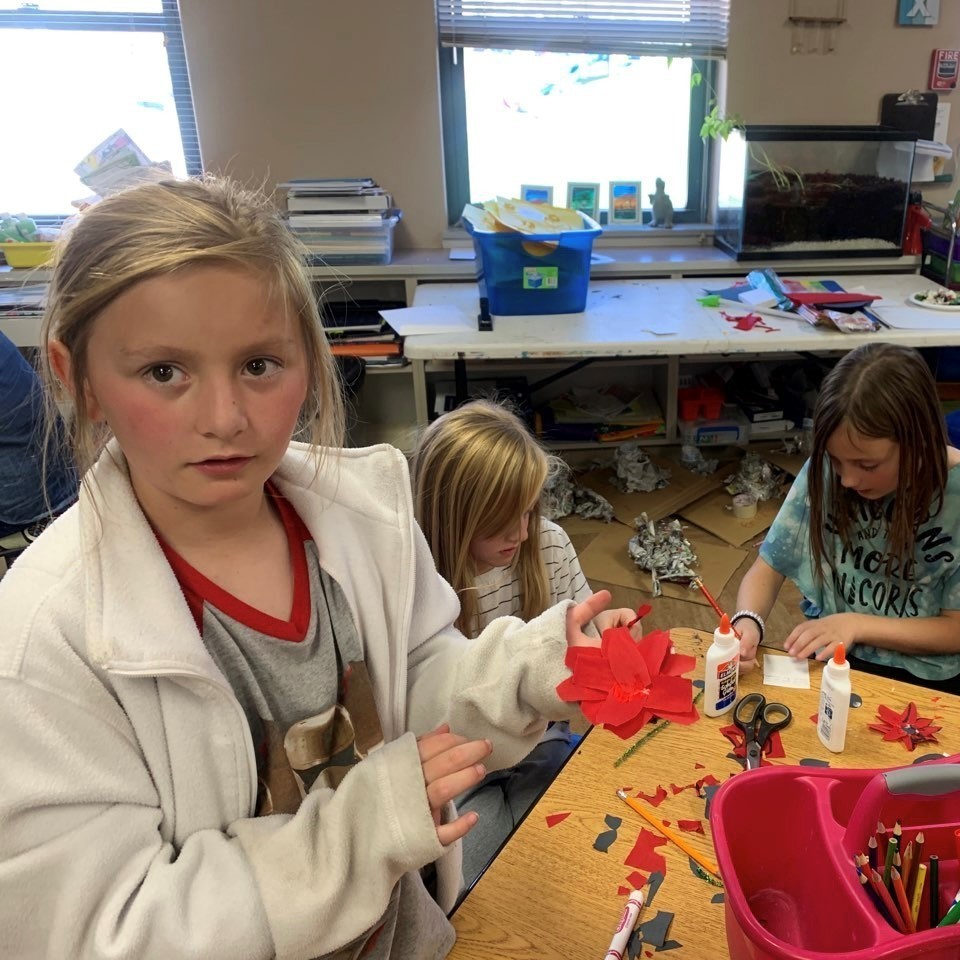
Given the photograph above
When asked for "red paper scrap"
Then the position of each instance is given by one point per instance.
(935, 699)
(748, 322)
(637, 879)
(698, 766)
(654, 799)
(626, 682)
(554, 818)
(696, 787)
(907, 727)
(623, 891)
(772, 748)
(691, 826)
(814, 718)
(644, 854)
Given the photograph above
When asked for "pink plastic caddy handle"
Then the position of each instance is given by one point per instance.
(924, 780)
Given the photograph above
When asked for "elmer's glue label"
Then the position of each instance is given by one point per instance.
(722, 670)
(834, 701)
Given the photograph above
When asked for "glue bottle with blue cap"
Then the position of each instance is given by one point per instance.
(834, 701)
(722, 670)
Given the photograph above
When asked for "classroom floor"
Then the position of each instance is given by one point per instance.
(668, 612)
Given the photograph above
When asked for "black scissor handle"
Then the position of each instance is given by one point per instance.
(747, 710)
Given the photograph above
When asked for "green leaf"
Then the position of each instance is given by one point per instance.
(696, 78)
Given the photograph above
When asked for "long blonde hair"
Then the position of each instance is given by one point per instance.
(156, 229)
(475, 471)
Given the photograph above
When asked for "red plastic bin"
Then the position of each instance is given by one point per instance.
(786, 838)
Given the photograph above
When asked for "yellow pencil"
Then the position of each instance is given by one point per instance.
(707, 865)
(920, 878)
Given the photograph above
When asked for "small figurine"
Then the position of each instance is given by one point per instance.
(662, 207)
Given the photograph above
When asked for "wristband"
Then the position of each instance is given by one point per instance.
(749, 615)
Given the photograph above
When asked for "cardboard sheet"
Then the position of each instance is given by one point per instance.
(710, 513)
(606, 560)
(684, 488)
(772, 451)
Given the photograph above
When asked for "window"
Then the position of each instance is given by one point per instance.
(80, 75)
(558, 91)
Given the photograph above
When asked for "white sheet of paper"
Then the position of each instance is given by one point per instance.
(443, 318)
(902, 317)
(786, 672)
(463, 253)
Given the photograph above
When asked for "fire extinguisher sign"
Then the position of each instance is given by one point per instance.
(944, 68)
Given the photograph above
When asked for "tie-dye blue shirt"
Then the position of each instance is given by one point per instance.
(866, 578)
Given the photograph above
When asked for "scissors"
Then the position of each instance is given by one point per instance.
(758, 719)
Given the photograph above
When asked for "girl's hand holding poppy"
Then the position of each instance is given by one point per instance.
(621, 617)
(580, 614)
(819, 638)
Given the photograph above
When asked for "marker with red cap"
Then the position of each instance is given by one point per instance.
(834, 701)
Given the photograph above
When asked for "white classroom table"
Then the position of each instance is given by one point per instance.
(661, 318)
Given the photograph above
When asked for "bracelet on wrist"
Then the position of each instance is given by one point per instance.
(749, 615)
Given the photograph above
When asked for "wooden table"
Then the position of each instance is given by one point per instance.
(550, 895)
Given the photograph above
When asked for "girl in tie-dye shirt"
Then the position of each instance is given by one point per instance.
(870, 532)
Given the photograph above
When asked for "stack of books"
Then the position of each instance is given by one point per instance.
(342, 221)
(355, 328)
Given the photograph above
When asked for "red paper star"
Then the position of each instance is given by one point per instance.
(907, 727)
(626, 682)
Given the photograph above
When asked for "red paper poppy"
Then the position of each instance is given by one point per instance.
(907, 727)
(626, 682)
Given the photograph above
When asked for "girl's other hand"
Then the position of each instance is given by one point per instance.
(621, 617)
(580, 614)
(450, 765)
(820, 637)
(749, 643)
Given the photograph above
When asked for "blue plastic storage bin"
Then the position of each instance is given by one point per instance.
(545, 273)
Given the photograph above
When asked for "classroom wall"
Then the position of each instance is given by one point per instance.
(874, 56)
(287, 88)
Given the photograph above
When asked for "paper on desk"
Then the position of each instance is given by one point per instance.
(443, 318)
(901, 317)
(786, 672)
(463, 253)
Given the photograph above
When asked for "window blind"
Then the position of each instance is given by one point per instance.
(677, 28)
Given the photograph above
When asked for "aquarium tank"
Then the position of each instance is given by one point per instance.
(813, 191)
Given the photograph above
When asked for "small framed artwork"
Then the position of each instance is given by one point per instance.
(918, 13)
(536, 193)
(624, 202)
(584, 197)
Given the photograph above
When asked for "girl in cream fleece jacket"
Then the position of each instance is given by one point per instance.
(229, 674)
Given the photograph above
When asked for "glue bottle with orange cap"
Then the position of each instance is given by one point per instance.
(722, 670)
(834, 701)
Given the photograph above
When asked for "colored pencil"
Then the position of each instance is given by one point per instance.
(689, 850)
(713, 603)
(888, 862)
(871, 893)
(919, 880)
(951, 917)
(877, 881)
(902, 901)
(907, 865)
(933, 879)
(872, 852)
(897, 834)
(917, 854)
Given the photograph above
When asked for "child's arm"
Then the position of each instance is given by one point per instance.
(917, 635)
(501, 686)
(758, 592)
(87, 867)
